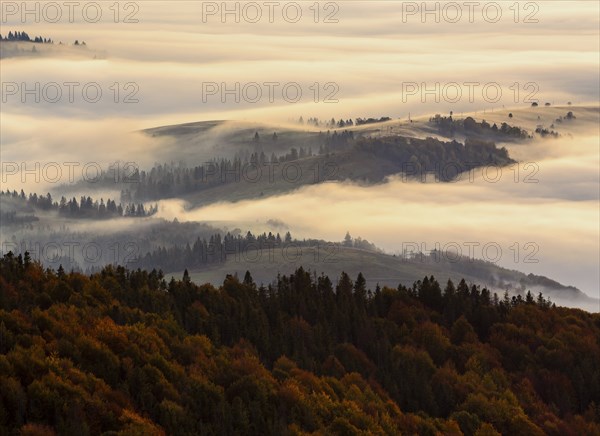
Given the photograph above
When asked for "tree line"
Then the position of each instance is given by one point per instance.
(85, 208)
(217, 249)
(341, 123)
(447, 160)
(23, 36)
(450, 126)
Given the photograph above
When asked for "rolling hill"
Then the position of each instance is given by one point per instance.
(388, 270)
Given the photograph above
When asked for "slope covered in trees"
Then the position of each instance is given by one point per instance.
(340, 157)
(127, 352)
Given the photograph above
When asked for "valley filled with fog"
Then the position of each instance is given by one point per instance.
(363, 217)
(539, 215)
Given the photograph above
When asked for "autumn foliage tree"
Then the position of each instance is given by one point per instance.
(130, 352)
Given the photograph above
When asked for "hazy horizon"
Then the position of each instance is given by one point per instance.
(366, 64)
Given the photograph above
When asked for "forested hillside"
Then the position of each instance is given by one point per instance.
(340, 157)
(130, 352)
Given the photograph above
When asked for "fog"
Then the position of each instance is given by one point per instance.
(550, 203)
(160, 64)
(171, 52)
